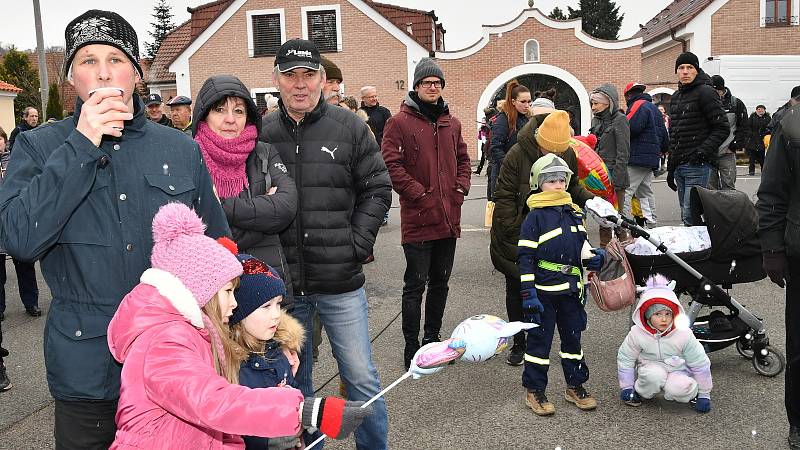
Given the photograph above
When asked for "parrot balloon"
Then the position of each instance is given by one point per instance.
(592, 171)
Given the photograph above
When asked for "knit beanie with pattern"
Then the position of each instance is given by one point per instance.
(257, 285)
(202, 264)
(427, 67)
(101, 27)
(554, 133)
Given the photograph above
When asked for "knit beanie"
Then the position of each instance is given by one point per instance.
(332, 71)
(202, 264)
(718, 82)
(795, 92)
(552, 176)
(600, 97)
(687, 58)
(554, 133)
(101, 27)
(427, 67)
(257, 285)
(542, 102)
(654, 308)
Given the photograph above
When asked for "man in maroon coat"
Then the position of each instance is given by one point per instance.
(430, 170)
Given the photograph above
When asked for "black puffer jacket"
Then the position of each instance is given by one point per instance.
(343, 191)
(699, 125)
(254, 217)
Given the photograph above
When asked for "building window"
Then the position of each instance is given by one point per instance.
(266, 31)
(531, 51)
(778, 13)
(322, 25)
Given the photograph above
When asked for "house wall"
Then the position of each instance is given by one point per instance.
(736, 30)
(7, 119)
(369, 56)
(467, 77)
(658, 69)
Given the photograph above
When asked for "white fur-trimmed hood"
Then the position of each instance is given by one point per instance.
(169, 286)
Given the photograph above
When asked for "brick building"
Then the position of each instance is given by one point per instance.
(380, 45)
(760, 36)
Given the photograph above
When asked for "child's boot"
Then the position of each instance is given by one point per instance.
(537, 401)
(5, 383)
(580, 398)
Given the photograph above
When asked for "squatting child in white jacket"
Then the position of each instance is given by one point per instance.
(661, 353)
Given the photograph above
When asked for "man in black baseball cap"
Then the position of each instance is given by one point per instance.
(155, 110)
(180, 110)
(297, 53)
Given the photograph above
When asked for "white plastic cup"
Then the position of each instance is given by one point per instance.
(117, 125)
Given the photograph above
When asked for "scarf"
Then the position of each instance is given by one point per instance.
(225, 158)
(551, 198)
(430, 110)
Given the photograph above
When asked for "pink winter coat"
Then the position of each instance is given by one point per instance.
(171, 397)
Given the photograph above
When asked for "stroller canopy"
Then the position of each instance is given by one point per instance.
(731, 219)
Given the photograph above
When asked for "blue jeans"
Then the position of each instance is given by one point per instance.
(344, 317)
(686, 176)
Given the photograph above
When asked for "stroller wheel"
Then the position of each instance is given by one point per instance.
(744, 348)
(771, 364)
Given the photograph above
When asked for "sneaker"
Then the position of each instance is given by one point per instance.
(5, 383)
(34, 311)
(794, 437)
(578, 396)
(515, 356)
(428, 338)
(634, 400)
(538, 402)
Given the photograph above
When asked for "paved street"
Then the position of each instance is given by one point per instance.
(481, 405)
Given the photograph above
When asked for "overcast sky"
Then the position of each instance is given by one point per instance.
(462, 19)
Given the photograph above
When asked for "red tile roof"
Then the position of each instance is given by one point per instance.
(203, 15)
(8, 87)
(55, 74)
(675, 15)
(414, 22)
(173, 44)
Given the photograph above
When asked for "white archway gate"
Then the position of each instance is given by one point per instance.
(544, 69)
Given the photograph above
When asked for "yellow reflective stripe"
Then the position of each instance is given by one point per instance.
(527, 243)
(573, 229)
(553, 288)
(563, 355)
(582, 228)
(549, 235)
(527, 277)
(535, 360)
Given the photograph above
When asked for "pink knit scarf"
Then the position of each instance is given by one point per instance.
(225, 158)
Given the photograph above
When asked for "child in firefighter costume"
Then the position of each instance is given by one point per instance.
(552, 251)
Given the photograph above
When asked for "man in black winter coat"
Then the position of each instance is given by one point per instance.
(698, 128)
(779, 228)
(378, 115)
(343, 192)
(30, 119)
(724, 176)
(758, 123)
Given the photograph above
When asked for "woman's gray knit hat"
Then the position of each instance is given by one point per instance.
(427, 67)
(101, 27)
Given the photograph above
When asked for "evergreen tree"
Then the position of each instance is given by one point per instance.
(55, 109)
(557, 14)
(17, 70)
(599, 18)
(162, 13)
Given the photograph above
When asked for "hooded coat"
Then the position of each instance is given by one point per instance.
(648, 133)
(613, 138)
(171, 395)
(675, 349)
(698, 123)
(513, 187)
(255, 218)
(429, 164)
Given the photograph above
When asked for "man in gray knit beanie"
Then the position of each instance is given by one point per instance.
(427, 67)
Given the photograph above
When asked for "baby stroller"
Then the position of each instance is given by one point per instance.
(705, 275)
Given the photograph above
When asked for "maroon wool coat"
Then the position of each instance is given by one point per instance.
(428, 164)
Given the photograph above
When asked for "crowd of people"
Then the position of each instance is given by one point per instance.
(230, 236)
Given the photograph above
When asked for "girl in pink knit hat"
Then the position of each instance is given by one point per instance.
(180, 368)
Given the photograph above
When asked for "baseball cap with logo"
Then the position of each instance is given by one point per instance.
(153, 99)
(297, 53)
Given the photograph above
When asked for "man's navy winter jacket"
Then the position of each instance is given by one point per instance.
(648, 134)
(86, 213)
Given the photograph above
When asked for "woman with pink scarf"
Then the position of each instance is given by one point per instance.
(256, 192)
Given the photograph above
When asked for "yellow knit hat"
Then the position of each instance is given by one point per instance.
(554, 133)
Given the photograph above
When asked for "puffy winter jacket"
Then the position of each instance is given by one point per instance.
(674, 350)
(429, 164)
(171, 396)
(255, 218)
(698, 126)
(343, 192)
(736, 114)
(778, 202)
(613, 138)
(502, 141)
(759, 127)
(377, 116)
(513, 187)
(648, 132)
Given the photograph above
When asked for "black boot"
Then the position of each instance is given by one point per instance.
(5, 383)
(408, 354)
(794, 437)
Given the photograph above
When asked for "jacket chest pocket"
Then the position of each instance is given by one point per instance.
(411, 150)
(90, 224)
(170, 188)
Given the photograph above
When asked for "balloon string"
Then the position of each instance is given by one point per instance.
(367, 403)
